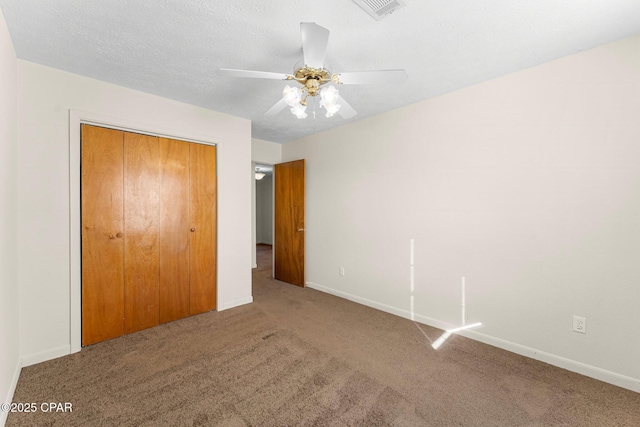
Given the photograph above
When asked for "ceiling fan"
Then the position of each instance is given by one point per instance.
(312, 78)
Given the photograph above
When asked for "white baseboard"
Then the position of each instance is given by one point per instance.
(380, 306)
(10, 393)
(614, 378)
(255, 266)
(64, 350)
(43, 356)
(235, 303)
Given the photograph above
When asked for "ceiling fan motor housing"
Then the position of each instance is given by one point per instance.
(312, 78)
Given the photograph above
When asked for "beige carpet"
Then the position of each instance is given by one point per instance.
(298, 357)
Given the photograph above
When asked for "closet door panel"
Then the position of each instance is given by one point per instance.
(102, 226)
(202, 242)
(174, 229)
(141, 209)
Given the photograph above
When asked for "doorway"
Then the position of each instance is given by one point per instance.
(264, 204)
(279, 207)
(263, 224)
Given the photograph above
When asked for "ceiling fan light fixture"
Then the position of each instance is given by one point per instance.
(331, 109)
(329, 100)
(298, 110)
(312, 76)
(329, 95)
(292, 96)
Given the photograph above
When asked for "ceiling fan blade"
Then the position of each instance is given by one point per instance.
(277, 107)
(373, 77)
(314, 44)
(346, 111)
(253, 74)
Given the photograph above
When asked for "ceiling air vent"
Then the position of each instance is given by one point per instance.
(380, 8)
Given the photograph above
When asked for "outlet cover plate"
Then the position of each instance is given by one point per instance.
(579, 324)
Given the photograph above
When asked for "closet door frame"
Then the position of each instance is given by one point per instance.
(76, 119)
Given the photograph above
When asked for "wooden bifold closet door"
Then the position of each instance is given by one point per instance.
(148, 231)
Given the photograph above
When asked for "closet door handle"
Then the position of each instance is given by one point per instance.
(300, 229)
(119, 235)
(193, 229)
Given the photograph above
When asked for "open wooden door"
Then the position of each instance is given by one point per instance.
(288, 247)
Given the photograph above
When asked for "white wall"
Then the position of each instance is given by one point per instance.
(528, 186)
(265, 152)
(264, 210)
(9, 344)
(45, 98)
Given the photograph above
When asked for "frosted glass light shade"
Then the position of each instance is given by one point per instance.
(329, 95)
(291, 96)
(329, 100)
(331, 109)
(299, 111)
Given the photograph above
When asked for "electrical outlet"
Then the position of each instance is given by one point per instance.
(579, 324)
(341, 271)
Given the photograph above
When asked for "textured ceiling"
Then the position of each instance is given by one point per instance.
(173, 48)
